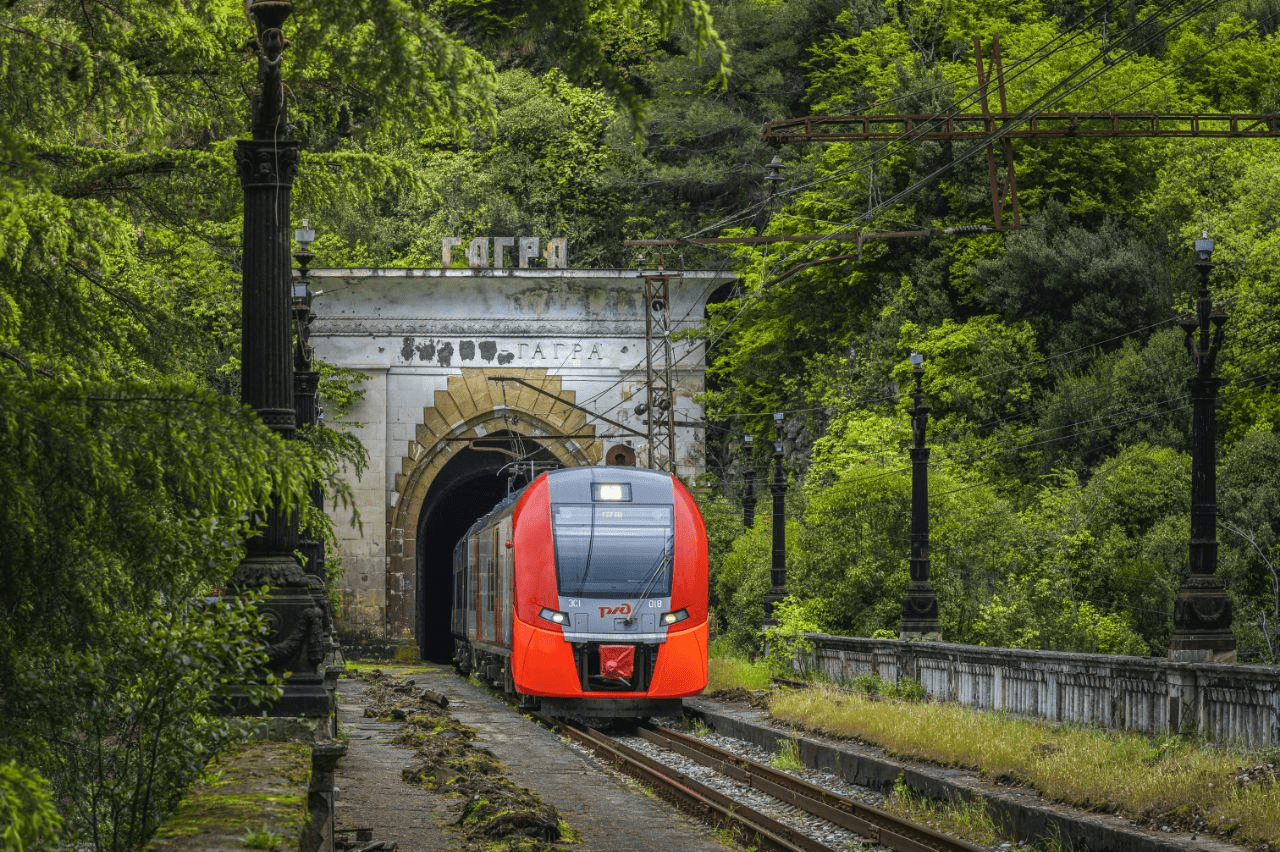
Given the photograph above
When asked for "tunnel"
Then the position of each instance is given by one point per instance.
(475, 480)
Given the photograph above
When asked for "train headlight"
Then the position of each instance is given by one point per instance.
(554, 616)
(669, 618)
(611, 492)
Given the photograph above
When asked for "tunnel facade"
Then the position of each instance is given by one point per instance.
(471, 382)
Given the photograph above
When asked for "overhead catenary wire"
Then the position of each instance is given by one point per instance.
(1051, 97)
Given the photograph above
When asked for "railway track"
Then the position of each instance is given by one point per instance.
(749, 825)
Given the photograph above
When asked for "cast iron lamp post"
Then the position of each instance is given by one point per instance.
(778, 567)
(749, 476)
(920, 605)
(305, 401)
(267, 164)
(305, 379)
(1202, 611)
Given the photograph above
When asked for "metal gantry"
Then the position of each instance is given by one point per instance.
(1001, 128)
(660, 398)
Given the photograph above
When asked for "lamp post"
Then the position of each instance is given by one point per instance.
(267, 165)
(773, 178)
(305, 391)
(920, 605)
(749, 476)
(778, 566)
(305, 379)
(1202, 612)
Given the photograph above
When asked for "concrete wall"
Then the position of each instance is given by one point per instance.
(1220, 701)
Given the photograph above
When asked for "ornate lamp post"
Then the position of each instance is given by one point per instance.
(267, 164)
(920, 605)
(305, 379)
(1202, 613)
(778, 567)
(305, 389)
(749, 475)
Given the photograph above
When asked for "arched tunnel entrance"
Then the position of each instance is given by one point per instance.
(465, 489)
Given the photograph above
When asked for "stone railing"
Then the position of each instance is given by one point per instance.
(1222, 702)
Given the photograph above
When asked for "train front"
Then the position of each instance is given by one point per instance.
(611, 593)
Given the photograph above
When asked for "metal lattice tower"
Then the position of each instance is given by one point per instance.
(660, 408)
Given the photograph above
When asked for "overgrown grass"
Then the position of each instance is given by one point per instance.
(1170, 778)
(359, 667)
(736, 673)
(787, 758)
(962, 817)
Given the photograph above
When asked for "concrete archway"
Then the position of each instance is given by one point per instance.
(447, 482)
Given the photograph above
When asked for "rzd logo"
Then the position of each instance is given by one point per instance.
(625, 609)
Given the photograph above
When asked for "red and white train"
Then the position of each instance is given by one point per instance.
(586, 593)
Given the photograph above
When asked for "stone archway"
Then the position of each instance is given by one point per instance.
(472, 406)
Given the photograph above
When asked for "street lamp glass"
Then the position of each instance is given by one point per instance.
(299, 292)
(916, 359)
(773, 171)
(1204, 246)
(306, 235)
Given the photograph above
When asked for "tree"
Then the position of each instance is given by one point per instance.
(131, 477)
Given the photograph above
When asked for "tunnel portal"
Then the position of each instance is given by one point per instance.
(472, 483)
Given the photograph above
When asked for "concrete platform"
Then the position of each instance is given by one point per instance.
(607, 811)
(1019, 809)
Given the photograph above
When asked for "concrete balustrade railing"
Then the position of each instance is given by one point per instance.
(1222, 702)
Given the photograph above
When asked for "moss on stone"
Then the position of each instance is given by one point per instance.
(260, 784)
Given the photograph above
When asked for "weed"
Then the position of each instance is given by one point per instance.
(727, 673)
(964, 817)
(696, 726)
(262, 838)
(788, 757)
(907, 689)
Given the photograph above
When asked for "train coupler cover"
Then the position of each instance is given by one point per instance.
(617, 661)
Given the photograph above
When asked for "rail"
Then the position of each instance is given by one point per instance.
(749, 825)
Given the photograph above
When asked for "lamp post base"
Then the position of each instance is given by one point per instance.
(1202, 616)
(919, 618)
(298, 637)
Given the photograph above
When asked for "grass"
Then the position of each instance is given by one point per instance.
(263, 838)
(725, 673)
(787, 758)
(963, 817)
(1168, 779)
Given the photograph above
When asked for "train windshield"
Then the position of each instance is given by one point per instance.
(613, 551)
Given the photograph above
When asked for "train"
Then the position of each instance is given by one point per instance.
(585, 594)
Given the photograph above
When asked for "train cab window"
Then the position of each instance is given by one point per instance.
(613, 550)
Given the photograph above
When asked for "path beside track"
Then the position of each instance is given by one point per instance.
(608, 812)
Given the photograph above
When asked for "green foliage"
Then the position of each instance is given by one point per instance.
(27, 815)
(787, 641)
(787, 757)
(261, 838)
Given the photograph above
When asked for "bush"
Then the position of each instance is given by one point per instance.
(27, 815)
